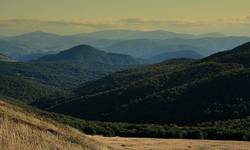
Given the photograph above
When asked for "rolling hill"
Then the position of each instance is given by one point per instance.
(21, 129)
(30, 46)
(177, 91)
(210, 45)
(240, 55)
(69, 68)
(175, 55)
(145, 48)
(23, 46)
(87, 55)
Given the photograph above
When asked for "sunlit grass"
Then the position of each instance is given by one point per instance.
(20, 130)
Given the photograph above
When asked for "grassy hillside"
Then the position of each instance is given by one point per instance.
(182, 92)
(23, 130)
(171, 144)
(237, 129)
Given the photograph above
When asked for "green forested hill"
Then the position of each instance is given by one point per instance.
(69, 68)
(87, 55)
(40, 81)
(62, 75)
(180, 91)
(27, 91)
(240, 55)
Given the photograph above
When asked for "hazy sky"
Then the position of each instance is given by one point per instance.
(74, 16)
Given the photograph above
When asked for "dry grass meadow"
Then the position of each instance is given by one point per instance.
(20, 130)
(171, 144)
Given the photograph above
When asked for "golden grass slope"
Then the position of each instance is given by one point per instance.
(20, 130)
(171, 144)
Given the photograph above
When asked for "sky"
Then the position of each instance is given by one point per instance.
(230, 17)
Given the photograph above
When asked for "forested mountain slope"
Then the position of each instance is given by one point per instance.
(177, 91)
(87, 55)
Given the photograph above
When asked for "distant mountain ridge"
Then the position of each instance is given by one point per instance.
(174, 55)
(145, 48)
(67, 69)
(136, 34)
(30, 46)
(36, 35)
(5, 58)
(85, 54)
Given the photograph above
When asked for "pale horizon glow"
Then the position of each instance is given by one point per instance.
(77, 16)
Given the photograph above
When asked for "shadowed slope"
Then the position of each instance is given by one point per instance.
(182, 92)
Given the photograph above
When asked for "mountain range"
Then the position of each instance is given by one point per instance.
(177, 98)
(31, 46)
(136, 34)
(69, 68)
(175, 55)
(145, 48)
(181, 91)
